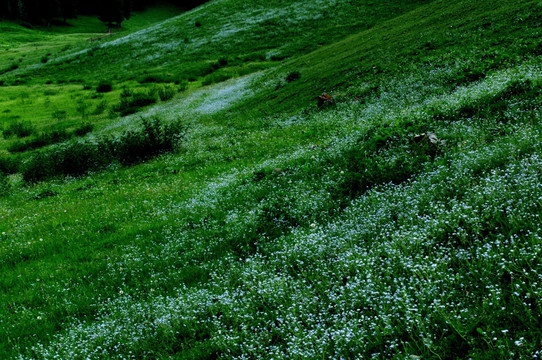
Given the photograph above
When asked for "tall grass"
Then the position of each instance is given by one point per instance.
(76, 158)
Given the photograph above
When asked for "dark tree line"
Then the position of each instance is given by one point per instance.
(111, 12)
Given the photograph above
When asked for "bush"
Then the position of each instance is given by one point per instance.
(223, 61)
(183, 85)
(104, 87)
(166, 92)
(153, 139)
(100, 108)
(79, 157)
(126, 93)
(59, 115)
(20, 129)
(293, 76)
(4, 184)
(44, 139)
(12, 67)
(216, 78)
(83, 129)
(38, 167)
(8, 165)
(253, 57)
(50, 92)
(278, 57)
(157, 78)
(131, 104)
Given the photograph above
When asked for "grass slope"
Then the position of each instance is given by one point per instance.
(234, 39)
(283, 230)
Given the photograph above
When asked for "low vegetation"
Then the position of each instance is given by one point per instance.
(78, 157)
(368, 193)
(132, 102)
(20, 129)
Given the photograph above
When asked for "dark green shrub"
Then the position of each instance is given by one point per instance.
(104, 87)
(278, 57)
(152, 139)
(59, 115)
(20, 129)
(8, 165)
(74, 159)
(79, 157)
(166, 92)
(293, 76)
(216, 78)
(83, 129)
(100, 108)
(39, 167)
(183, 85)
(131, 104)
(150, 79)
(4, 184)
(19, 81)
(44, 59)
(126, 93)
(19, 147)
(255, 56)
(12, 67)
(50, 92)
(157, 78)
(44, 139)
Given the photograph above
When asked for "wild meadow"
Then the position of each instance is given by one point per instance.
(177, 191)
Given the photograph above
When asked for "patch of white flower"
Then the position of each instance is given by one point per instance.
(398, 269)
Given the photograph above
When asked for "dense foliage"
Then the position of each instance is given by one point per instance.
(109, 11)
(78, 157)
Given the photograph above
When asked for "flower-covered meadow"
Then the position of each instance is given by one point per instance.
(282, 232)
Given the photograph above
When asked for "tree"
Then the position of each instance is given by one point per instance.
(188, 4)
(48, 9)
(37, 11)
(68, 9)
(113, 12)
(4, 9)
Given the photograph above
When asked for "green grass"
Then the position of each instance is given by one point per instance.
(280, 229)
(21, 44)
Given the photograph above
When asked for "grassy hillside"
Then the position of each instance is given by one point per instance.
(399, 219)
